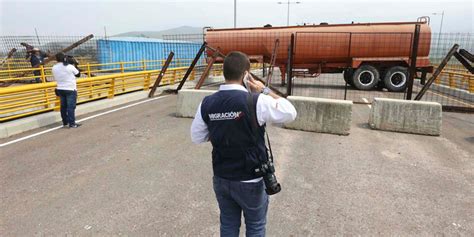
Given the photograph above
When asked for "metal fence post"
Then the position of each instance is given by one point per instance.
(174, 78)
(451, 80)
(146, 82)
(263, 70)
(90, 89)
(345, 91)
(88, 70)
(289, 85)
(43, 77)
(9, 69)
(112, 89)
(143, 65)
(413, 59)
(57, 104)
(121, 68)
(46, 98)
(471, 85)
(438, 79)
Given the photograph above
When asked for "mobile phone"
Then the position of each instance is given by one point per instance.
(246, 81)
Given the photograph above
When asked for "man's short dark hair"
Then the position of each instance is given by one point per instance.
(60, 57)
(235, 65)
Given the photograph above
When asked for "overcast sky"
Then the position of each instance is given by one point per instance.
(69, 17)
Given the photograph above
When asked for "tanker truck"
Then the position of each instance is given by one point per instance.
(367, 54)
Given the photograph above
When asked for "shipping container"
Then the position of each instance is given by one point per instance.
(136, 49)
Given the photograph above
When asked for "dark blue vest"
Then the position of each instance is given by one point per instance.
(237, 151)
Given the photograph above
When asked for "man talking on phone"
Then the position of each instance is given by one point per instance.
(224, 119)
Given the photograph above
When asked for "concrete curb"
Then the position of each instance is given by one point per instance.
(321, 115)
(406, 116)
(465, 95)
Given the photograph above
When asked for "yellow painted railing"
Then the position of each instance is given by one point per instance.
(456, 79)
(23, 63)
(88, 69)
(21, 101)
(25, 100)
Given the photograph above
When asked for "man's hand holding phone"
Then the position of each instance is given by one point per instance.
(254, 85)
(257, 86)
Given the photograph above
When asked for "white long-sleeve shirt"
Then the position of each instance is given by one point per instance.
(269, 111)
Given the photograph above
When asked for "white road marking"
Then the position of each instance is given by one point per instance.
(80, 120)
(367, 101)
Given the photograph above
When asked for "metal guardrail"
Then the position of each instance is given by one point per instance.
(23, 63)
(89, 69)
(456, 79)
(25, 100)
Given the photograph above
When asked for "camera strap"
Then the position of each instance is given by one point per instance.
(254, 123)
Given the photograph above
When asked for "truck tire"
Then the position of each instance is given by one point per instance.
(365, 77)
(348, 73)
(396, 78)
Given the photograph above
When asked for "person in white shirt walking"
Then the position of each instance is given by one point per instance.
(227, 121)
(65, 76)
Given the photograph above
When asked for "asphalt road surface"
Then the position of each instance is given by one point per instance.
(135, 172)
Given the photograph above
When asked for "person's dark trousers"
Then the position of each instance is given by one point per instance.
(37, 73)
(235, 197)
(68, 106)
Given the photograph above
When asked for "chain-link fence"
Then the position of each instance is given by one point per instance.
(96, 56)
(101, 50)
(86, 52)
(355, 66)
(454, 87)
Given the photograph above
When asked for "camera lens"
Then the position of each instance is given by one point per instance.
(271, 184)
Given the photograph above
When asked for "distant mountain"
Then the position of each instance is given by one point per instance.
(159, 34)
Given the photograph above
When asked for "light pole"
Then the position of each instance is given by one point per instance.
(440, 27)
(235, 13)
(288, 14)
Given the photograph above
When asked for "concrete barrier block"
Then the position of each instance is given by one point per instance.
(189, 100)
(321, 115)
(407, 116)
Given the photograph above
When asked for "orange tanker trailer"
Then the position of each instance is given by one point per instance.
(368, 54)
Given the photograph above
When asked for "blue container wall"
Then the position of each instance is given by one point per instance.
(111, 51)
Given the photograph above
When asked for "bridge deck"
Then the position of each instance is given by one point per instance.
(136, 172)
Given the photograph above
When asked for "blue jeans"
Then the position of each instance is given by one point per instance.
(37, 73)
(68, 106)
(234, 197)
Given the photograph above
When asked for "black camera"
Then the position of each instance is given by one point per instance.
(267, 171)
(68, 59)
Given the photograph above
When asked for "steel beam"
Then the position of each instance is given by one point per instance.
(161, 75)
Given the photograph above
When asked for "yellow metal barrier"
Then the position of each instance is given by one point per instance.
(25, 100)
(26, 73)
(457, 80)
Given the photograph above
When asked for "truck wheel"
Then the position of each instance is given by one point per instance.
(348, 73)
(396, 78)
(365, 77)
